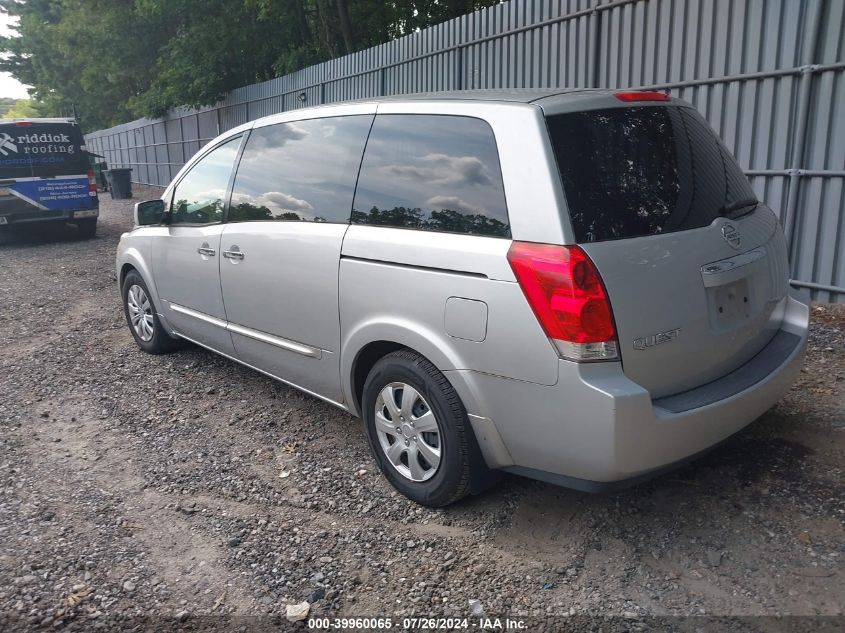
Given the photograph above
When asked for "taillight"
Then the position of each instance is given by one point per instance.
(642, 95)
(92, 184)
(23, 123)
(564, 289)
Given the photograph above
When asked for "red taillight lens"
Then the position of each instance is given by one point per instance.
(565, 291)
(642, 95)
(92, 183)
(23, 123)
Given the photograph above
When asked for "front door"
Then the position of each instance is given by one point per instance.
(186, 257)
(290, 208)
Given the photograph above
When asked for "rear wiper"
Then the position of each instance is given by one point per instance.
(728, 210)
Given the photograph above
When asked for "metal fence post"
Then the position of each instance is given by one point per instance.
(167, 154)
(802, 120)
(594, 50)
(459, 68)
(182, 134)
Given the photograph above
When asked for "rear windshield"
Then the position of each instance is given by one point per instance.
(630, 172)
(41, 150)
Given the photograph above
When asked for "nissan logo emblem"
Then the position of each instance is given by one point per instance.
(731, 235)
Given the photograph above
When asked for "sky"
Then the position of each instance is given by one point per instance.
(9, 86)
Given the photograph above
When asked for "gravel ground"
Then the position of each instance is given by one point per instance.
(185, 486)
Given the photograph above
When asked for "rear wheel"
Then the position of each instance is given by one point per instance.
(142, 318)
(418, 429)
(87, 228)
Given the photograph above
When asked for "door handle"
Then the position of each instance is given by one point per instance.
(206, 251)
(233, 254)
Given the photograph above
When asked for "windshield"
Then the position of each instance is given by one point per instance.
(41, 150)
(630, 172)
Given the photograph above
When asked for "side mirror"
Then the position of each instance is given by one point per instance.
(149, 212)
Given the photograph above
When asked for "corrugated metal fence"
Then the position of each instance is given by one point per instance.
(768, 74)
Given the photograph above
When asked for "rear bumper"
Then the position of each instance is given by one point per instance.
(49, 215)
(596, 429)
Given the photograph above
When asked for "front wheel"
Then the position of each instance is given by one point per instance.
(142, 318)
(418, 429)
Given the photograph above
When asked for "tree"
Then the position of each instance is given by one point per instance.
(5, 104)
(88, 58)
(107, 61)
(26, 109)
(345, 25)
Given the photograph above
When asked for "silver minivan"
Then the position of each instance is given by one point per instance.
(575, 286)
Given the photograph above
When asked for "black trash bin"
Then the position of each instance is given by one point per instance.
(100, 175)
(120, 183)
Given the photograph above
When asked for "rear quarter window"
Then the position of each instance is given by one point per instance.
(432, 173)
(645, 170)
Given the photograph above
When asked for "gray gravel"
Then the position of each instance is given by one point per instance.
(188, 486)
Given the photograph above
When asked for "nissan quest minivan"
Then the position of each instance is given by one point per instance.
(575, 286)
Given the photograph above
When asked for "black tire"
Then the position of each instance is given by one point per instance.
(87, 228)
(459, 458)
(161, 342)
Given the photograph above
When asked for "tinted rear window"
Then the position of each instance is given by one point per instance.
(41, 149)
(432, 173)
(630, 172)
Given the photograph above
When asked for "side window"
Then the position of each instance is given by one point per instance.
(300, 171)
(434, 173)
(199, 196)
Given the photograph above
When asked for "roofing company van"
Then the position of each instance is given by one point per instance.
(45, 174)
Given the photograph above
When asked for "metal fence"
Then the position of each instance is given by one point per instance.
(769, 75)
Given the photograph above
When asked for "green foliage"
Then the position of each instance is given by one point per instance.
(85, 58)
(107, 61)
(6, 103)
(26, 109)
